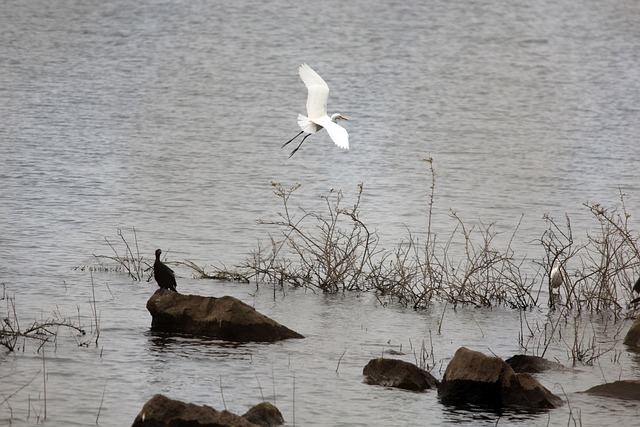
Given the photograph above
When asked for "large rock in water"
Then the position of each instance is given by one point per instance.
(474, 378)
(160, 411)
(398, 373)
(224, 318)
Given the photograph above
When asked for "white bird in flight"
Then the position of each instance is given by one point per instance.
(317, 117)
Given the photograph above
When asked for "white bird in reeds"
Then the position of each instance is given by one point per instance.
(317, 118)
(556, 277)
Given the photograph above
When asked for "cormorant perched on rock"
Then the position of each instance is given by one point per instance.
(163, 274)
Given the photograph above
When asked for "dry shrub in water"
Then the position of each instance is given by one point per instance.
(123, 259)
(599, 272)
(585, 337)
(13, 334)
(315, 250)
(336, 251)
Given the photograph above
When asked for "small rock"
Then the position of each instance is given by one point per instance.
(398, 373)
(265, 415)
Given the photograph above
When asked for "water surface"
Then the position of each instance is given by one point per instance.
(169, 116)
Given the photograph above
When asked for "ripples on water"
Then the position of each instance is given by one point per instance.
(168, 116)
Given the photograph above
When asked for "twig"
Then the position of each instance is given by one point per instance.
(95, 310)
(260, 387)
(44, 382)
(101, 401)
(340, 359)
(6, 398)
(222, 394)
(442, 319)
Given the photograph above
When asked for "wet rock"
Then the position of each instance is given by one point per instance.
(265, 415)
(624, 389)
(474, 378)
(160, 411)
(224, 318)
(532, 364)
(523, 390)
(632, 339)
(399, 374)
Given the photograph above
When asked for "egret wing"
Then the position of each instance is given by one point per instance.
(337, 133)
(318, 92)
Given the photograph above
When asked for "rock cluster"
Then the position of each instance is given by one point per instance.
(474, 378)
(161, 411)
(471, 378)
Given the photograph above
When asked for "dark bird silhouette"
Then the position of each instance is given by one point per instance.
(636, 288)
(163, 274)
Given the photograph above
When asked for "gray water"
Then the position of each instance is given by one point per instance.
(168, 116)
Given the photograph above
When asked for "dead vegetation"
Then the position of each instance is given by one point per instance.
(335, 251)
(599, 271)
(15, 334)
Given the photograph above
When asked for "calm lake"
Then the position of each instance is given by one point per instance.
(168, 116)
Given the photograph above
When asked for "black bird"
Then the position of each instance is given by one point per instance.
(163, 274)
(636, 288)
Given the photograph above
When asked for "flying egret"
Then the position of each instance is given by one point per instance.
(317, 117)
(163, 274)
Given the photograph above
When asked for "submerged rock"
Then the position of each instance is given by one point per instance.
(474, 378)
(624, 389)
(398, 373)
(224, 318)
(532, 364)
(160, 411)
(632, 339)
